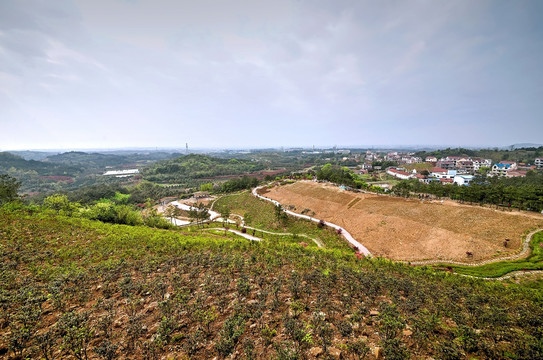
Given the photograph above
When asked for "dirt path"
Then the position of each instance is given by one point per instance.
(411, 229)
(237, 232)
(510, 275)
(361, 248)
(318, 242)
(524, 252)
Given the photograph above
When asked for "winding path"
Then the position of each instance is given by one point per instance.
(361, 248)
(522, 254)
(237, 232)
(525, 251)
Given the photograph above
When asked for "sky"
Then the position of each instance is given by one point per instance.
(78, 74)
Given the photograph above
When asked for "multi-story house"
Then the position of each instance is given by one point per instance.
(512, 164)
(431, 159)
(465, 166)
(446, 164)
(500, 169)
(456, 159)
(539, 163)
(479, 163)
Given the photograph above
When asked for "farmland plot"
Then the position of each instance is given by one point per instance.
(406, 229)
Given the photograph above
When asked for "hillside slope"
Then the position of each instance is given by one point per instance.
(72, 288)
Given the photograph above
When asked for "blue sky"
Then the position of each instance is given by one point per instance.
(231, 74)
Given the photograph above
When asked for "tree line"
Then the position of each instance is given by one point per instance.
(340, 175)
(520, 193)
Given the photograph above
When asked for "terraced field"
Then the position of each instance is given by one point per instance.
(412, 230)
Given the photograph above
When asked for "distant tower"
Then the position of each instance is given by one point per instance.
(187, 148)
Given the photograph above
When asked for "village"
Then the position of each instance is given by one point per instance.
(460, 170)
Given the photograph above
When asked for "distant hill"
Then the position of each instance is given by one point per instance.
(195, 166)
(524, 145)
(93, 160)
(34, 155)
(100, 161)
(10, 162)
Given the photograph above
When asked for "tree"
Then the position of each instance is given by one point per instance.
(225, 213)
(206, 187)
(59, 203)
(8, 188)
(193, 214)
(203, 211)
(280, 215)
(199, 213)
(172, 212)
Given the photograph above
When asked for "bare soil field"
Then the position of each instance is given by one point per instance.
(405, 229)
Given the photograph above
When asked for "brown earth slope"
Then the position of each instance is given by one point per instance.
(402, 229)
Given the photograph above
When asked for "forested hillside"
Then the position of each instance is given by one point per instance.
(185, 168)
(71, 170)
(100, 161)
(10, 162)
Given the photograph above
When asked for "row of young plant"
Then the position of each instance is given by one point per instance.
(82, 289)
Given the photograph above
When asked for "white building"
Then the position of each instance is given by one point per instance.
(479, 163)
(122, 173)
(439, 173)
(463, 179)
(539, 163)
(399, 174)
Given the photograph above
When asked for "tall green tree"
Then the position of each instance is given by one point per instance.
(8, 188)
(225, 213)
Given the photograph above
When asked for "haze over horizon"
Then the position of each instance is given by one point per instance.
(252, 74)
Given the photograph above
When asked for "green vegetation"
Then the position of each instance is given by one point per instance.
(497, 269)
(8, 189)
(186, 168)
(262, 214)
(10, 162)
(524, 155)
(76, 288)
(46, 172)
(520, 192)
(341, 176)
(106, 210)
(238, 184)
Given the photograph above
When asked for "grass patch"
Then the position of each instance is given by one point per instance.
(261, 215)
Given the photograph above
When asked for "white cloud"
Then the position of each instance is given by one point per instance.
(387, 71)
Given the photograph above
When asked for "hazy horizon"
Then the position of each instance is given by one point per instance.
(290, 147)
(82, 74)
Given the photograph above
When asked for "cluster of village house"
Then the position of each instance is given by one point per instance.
(459, 169)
